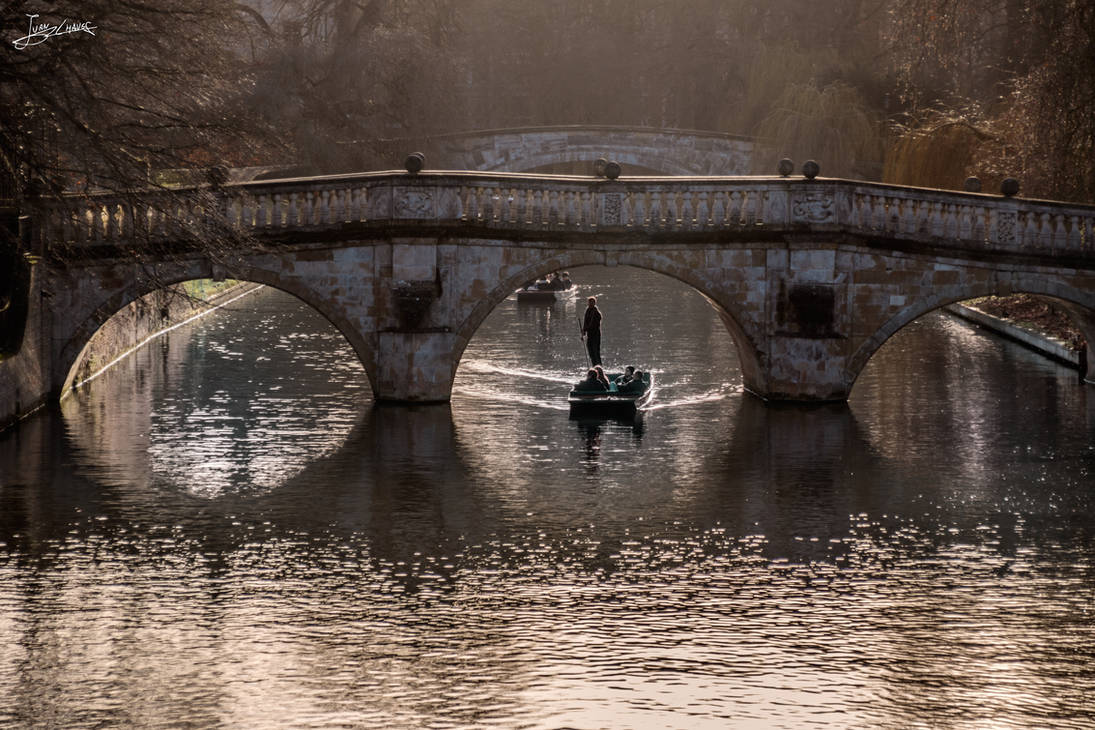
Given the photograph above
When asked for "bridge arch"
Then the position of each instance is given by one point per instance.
(526, 149)
(75, 348)
(733, 318)
(1080, 304)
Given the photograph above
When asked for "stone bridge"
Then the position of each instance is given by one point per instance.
(810, 276)
(528, 149)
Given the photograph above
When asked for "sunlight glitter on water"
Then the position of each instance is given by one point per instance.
(244, 540)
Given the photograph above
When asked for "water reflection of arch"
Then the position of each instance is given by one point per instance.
(794, 471)
(183, 416)
(75, 348)
(743, 330)
(1080, 304)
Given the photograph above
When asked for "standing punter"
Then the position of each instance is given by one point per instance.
(591, 331)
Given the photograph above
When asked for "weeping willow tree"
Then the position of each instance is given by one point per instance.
(1030, 69)
(832, 125)
(938, 152)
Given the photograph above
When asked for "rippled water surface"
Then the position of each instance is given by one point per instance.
(224, 531)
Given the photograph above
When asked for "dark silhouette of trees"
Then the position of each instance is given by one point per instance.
(1018, 76)
(156, 84)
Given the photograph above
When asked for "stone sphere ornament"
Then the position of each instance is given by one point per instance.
(972, 185)
(1010, 187)
(810, 169)
(785, 167)
(599, 166)
(415, 162)
(613, 170)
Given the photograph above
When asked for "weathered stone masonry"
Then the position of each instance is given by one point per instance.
(811, 277)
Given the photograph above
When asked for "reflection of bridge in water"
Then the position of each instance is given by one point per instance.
(810, 276)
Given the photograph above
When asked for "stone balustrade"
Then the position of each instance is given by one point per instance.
(521, 204)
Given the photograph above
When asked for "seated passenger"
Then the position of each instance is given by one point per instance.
(629, 373)
(591, 383)
(556, 282)
(635, 385)
(567, 283)
(601, 376)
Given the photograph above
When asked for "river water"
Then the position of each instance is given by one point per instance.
(224, 531)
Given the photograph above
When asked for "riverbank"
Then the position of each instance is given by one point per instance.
(1037, 339)
(150, 317)
(25, 376)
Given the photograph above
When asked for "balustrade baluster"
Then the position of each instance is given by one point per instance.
(671, 209)
(111, 232)
(148, 219)
(878, 212)
(893, 214)
(585, 210)
(899, 215)
(736, 206)
(950, 221)
(688, 211)
(344, 205)
(353, 204)
(866, 210)
(553, 208)
(718, 209)
(463, 194)
(486, 205)
(1075, 238)
(923, 217)
(936, 223)
(489, 209)
(749, 207)
(1045, 231)
(261, 211)
(1030, 230)
(365, 200)
(978, 223)
(472, 208)
(626, 210)
(291, 214)
(703, 210)
(637, 204)
(281, 210)
(520, 206)
(537, 207)
(332, 206)
(965, 222)
(656, 209)
(1060, 235)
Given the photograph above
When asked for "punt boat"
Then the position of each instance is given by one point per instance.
(611, 401)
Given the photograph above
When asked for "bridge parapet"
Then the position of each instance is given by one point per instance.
(520, 204)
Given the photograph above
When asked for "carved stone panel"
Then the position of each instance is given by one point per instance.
(411, 203)
(610, 210)
(1006, 227)
(813, 208)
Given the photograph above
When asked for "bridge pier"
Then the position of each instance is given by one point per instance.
(804, 370)
(414, 366)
